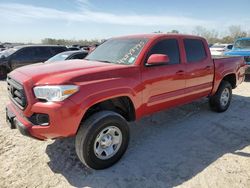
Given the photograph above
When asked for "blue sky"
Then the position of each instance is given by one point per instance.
(31, 21)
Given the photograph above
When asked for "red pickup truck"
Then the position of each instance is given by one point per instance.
(123, 80)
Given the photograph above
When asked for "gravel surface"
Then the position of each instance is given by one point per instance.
(189, 146)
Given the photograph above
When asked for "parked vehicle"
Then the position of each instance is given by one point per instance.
(220, 49)
(73, 48)
(86, 48)
(93, 47)
(241, 48)
(2, 48)
(24, 55)
(80, 54)
(122, 80)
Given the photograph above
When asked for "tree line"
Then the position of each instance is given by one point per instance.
(66, 42)
(212, 36)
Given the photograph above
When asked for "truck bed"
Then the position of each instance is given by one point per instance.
(224, 65)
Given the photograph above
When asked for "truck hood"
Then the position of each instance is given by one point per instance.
(239, 52)
(68, 71)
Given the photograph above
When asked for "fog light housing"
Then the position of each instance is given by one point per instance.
(40, 119)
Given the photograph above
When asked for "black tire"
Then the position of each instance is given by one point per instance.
(3, 73)
(215, 101)
(90, 130)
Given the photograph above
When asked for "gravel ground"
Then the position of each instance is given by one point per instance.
(189, 146)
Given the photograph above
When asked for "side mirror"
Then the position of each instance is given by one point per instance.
(157, 59)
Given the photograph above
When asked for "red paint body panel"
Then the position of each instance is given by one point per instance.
(150, 89)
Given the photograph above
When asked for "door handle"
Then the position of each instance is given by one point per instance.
(180, 72)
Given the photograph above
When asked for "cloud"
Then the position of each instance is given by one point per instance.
(83, 1)
(25, 13)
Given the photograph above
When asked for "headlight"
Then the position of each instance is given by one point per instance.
(55, 93)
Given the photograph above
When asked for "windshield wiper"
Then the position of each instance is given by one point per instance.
(103, 61)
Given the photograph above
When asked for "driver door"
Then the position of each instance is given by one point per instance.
(164, 84)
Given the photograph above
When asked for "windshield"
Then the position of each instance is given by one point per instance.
(118, 51)
(8, 52)
(242, 44)
(59, 57)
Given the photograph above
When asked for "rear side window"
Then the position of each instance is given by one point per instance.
(57, 50)
(168, 47)
(43, 52)
(230, 47)
(79, 56)
(195, 50)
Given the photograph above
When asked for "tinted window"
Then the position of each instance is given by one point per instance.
(230, 47)
(168, 47)
(43, 52)
(195, 50)
(79, 56)
(57, 50)
(24, 54)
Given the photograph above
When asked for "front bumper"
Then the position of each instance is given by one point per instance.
(64, 120)
(14, 120)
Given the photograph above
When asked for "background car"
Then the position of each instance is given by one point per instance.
(80, 54)
(73, 48)
(24, 55)
(241, 48)
(2, 47)
(220, 49)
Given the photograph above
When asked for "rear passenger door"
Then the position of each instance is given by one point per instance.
(43, 53)
(199, 69)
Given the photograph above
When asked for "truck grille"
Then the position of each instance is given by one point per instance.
(16, 93)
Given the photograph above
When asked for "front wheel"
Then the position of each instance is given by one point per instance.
(102, 139)
(222, 98)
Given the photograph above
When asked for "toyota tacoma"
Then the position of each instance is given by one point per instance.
(121, 81)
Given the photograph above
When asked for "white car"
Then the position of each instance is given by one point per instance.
(220, 49)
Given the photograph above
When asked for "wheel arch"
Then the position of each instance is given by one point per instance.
(122, 105)
(231, 78)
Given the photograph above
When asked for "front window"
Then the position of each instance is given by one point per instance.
(8, 52)
(58, 57)
(243, 44)
(118, 51)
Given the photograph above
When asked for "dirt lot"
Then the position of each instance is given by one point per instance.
(189, 146)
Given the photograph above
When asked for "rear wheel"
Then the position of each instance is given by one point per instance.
(222, 98)
(3, 73)
(102, 139)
